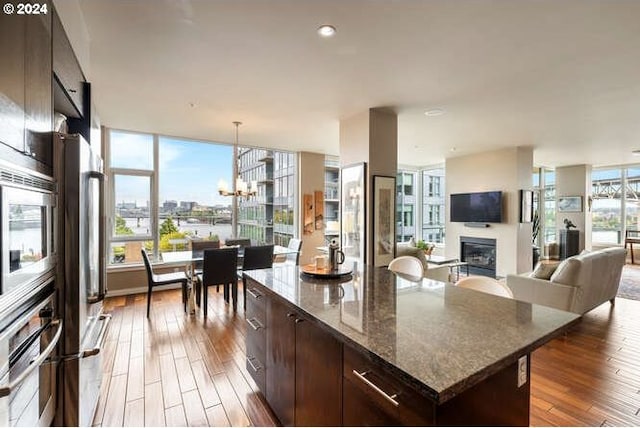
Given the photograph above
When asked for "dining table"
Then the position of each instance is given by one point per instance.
(189, 258)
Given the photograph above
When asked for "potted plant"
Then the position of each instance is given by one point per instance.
(426, 247)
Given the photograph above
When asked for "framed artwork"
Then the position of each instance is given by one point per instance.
(384, 209)
(352, 211)
(319, 205)
(308, 214)
(570, 204)
(526, 206)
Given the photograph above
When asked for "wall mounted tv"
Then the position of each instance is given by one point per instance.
(482, 207)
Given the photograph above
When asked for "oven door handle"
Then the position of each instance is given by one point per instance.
(6, 389)
(106, 318)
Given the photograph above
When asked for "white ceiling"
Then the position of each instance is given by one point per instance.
(561, 76)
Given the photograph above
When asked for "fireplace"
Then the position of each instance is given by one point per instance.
(480, 254)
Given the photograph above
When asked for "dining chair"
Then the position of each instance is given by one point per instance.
(631, 237)
(486, 285)
(258, 257)
(163, 279)
(196, 247)
(240, 242)
(291, 258)
(407, 265)
(220, 267)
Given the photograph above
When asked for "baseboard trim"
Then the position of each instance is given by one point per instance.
(139, 290)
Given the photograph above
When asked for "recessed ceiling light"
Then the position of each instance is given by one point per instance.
(192, 105)
(636, 152)
(326, 30)
(453, 149)
(434, 112)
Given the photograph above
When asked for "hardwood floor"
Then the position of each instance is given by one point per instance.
(177, 370)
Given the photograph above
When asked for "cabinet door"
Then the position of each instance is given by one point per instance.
(318, 376)
(67, 70)
(38, 92)
(12, 46)
(281, 360)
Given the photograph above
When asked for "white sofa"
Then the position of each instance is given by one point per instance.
(439, 273)
(579, 284)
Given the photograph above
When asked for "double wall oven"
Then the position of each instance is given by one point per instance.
(29, 328)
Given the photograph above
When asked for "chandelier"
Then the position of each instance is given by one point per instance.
(241, 187)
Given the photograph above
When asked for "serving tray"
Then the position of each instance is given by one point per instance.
(325, 273)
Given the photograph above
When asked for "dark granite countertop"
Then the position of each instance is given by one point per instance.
(440, 338)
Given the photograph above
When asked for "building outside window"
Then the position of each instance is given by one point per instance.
(163, 192)
(405, 206)
(331, 198)
(615, 197)
(549, 196)
(268, 217)
(433, 204)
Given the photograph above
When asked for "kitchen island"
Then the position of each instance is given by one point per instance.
(379, 349)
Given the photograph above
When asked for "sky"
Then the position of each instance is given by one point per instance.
(189, 171)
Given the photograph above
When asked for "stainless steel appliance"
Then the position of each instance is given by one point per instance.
(26, 220)
(28, 363)
(28, 331)
(336, 257)
(81, 276)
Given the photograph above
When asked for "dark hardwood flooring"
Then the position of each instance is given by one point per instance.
(177, 370)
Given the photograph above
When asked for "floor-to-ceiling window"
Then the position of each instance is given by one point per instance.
(405, 205)
(615, 194)
(433, 203)
(549, 197)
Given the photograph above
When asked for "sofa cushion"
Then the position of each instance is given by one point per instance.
(568, 271)
(544, 270)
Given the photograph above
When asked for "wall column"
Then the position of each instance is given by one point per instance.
(371, 137)
(575, 180)
(310, 180)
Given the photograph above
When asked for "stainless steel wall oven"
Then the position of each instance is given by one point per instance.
(28, 361)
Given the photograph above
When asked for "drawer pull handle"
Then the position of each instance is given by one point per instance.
(253, 293)
(389, 398)
(254, 324)
(290, 315)
(299, 320)
(253, 366)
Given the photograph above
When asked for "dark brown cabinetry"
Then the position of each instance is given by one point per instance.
(26, 118)
(375, 397)
(68, 86)
(303, 382)
(256, 336)
(38, 93)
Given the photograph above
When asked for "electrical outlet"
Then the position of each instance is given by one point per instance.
(522, 371)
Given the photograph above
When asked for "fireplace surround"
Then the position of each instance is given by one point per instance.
(479, 254)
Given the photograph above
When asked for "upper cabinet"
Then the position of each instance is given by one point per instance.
(38, 93)
(68, 77)
(26, 105)
(12, 82)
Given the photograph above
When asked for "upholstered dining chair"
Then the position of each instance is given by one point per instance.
(292, 258)
(154, 280)
(486, 285)
(407, 265)
(220, 267)
(200, 246)
(258, 257)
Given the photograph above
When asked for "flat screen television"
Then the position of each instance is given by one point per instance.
(481, 207)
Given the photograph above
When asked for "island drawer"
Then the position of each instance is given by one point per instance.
(255, 365)
(256, 299)
(256, 334)
(374, 396)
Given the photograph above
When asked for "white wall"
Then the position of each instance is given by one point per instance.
(507, 170)
(575, 180)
